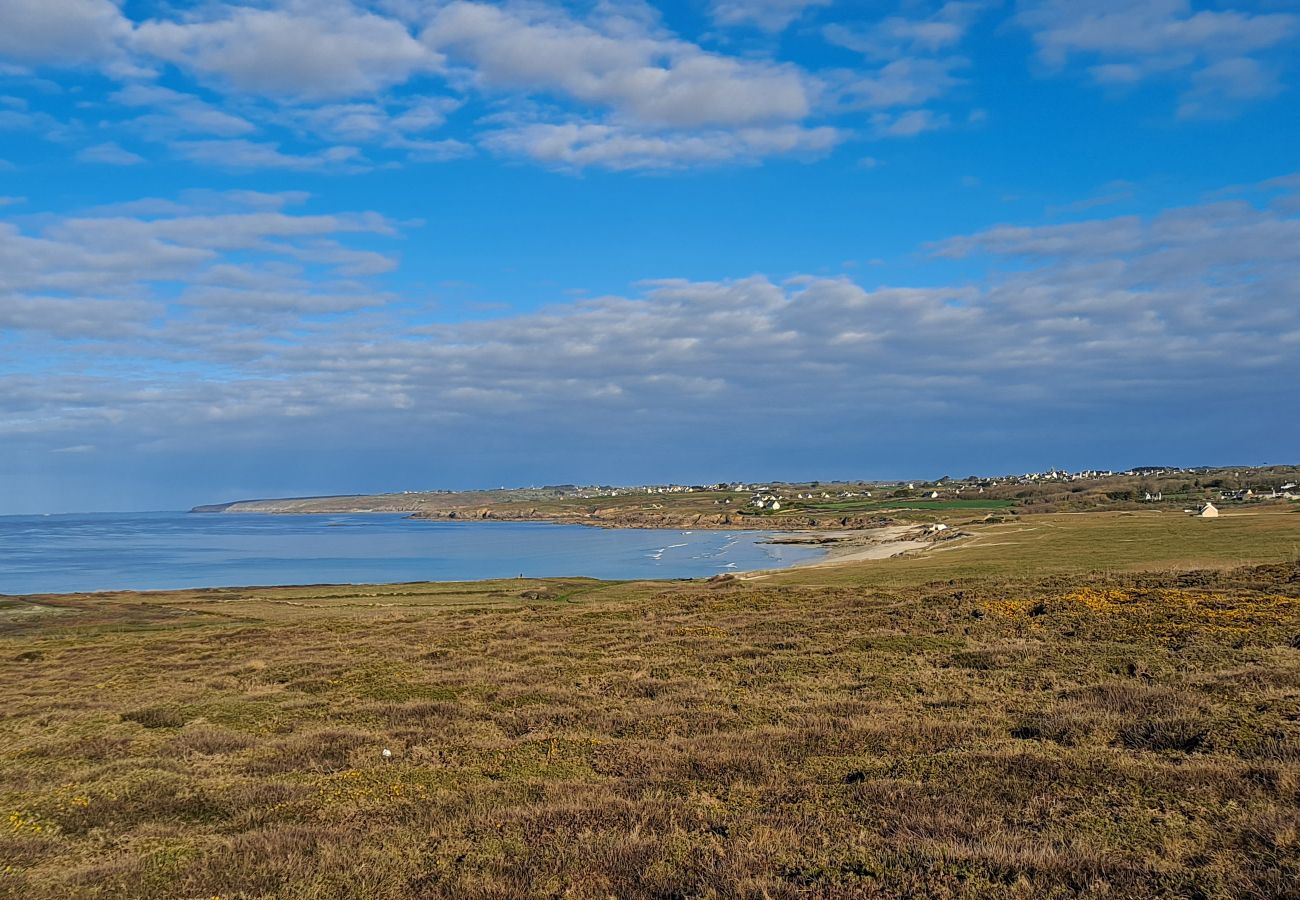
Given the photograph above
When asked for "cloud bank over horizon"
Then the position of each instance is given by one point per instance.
(259, 330)
(298, 247)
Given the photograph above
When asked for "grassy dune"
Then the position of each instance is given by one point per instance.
(1072, 705)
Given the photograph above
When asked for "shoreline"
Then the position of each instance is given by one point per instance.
(864, 545)
(467, 560)
(735, 520)
(835, 547)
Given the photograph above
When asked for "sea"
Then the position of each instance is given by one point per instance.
(171, 550)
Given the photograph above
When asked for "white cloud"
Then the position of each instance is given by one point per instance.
(615, 63)
(377, 121)
(1224, 84)
(1131, 42)
(245, 301)
(898, 36)
(1082, 317)
(61, 31)
(1117, 73)
(241, 154)
(769, 15)
(177, 113)
(237, 250)
(908, 124)
(315, 82)
(1150, 29)
(903, 82)
(431, 151)
(577, 145)
(80, 318)
(319, 50)
(913, 59)
(395, 124)
(50, 128)
(109, 154)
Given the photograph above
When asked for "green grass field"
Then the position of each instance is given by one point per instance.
(1096, 705)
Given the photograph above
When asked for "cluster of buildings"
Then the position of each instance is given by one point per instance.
(736, 487)
(1056, 475)
(770, 496)
(1286, 492)
(591, 494)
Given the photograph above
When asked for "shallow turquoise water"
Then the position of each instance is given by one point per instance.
(159, 551)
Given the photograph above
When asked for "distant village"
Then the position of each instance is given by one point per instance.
(773, 496)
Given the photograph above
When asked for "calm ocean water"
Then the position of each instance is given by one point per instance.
(159, 551)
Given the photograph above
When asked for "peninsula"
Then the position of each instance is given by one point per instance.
(818, 504)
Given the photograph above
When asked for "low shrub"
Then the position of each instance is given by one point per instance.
(156, 717)
(1184, 735)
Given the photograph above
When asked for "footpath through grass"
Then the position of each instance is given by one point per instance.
(1066, 706)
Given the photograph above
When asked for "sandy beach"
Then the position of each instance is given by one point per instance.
(843, 547)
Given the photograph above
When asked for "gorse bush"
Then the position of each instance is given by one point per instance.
(156, 717)
(1183, 735)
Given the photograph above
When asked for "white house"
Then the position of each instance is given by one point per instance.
(1208, 511)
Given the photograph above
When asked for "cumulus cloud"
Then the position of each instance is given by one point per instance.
(177, 119)
(650, 78)
(293, 84)
(912, 64)
(175, 113)
(56, 32)
(1069, 320)
(1125, 43)
(43, 124)
(78, 275)
(374, 121)
(577, 145)
(769, 15)
(241, 154)
(109, 154)
(1147, 30)
(77, 318)
(903, 82)
(1223, 85)
(908, 124)
(305, 50)
(892, 37)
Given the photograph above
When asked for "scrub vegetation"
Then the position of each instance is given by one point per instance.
(1100, 705)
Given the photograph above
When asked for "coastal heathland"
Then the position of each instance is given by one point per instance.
(1061, 705)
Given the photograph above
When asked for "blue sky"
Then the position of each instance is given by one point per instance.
(287, 247)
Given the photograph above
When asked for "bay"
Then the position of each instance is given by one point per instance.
(173, 550)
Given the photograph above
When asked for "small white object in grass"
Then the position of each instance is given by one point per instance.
(387, 754)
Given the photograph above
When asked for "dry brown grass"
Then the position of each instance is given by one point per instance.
(1100, 735)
